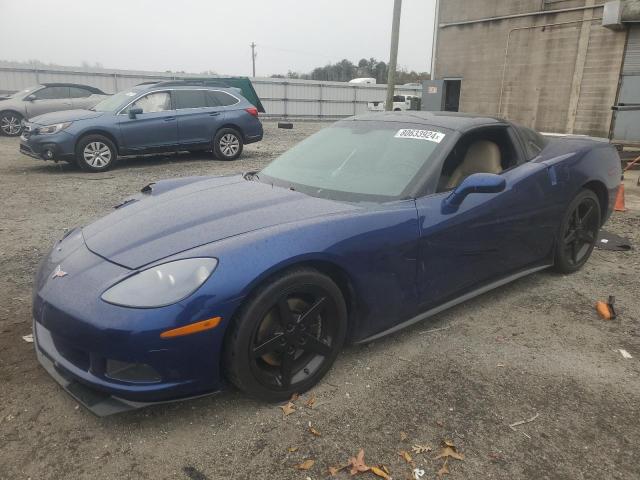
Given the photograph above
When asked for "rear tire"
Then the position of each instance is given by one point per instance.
(10, 123)
(286, 336)
(95, 153)
(227, 144)
(578, 232)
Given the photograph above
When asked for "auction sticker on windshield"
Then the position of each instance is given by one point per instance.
(420, 134)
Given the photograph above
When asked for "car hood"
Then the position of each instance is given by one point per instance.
(65, 116)
(197, 211)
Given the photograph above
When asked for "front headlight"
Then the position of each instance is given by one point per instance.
(161, 285)
(49, 129)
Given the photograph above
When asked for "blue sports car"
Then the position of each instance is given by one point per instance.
(362, 229)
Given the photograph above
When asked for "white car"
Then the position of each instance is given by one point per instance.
(44, 98)
(400, 103)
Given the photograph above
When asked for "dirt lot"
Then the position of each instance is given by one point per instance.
(533, 347)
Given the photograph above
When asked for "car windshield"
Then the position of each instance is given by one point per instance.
(24, 92)
(358, 160)
(114, 102)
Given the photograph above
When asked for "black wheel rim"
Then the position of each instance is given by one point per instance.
(294, 339)
(581, 231)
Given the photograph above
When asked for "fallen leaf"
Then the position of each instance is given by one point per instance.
(386, 470)
(406, 457)
(357, 463)
(306, 465)
(444, 470)
(624, 353)
(314, 431)
(293, 449)
(450, 452)
(294, 397)
(403, 436)
(311, 401)
(440, 423)
(380, 473)
(449, 443)
(333, 471)
(421, 448)
(288, 409)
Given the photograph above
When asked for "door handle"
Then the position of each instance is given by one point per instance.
(214, 114)
(169, 119)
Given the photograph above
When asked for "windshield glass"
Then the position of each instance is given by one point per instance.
(357, 160)
(24, 92)
(114, 102)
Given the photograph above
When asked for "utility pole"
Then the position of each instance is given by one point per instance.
(434, 44)
(253, 57)
(393, 54)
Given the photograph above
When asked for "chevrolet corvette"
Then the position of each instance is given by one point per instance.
(259, 279)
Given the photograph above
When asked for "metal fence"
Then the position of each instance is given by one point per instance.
(280, 97)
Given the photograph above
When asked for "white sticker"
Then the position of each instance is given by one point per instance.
(420, 135)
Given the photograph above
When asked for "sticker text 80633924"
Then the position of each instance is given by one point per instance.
(420, 135)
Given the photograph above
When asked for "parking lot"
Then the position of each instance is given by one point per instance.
(534, 347)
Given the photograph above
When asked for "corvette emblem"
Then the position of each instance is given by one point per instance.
(58, 272)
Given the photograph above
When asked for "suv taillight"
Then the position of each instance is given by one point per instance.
(252, 111)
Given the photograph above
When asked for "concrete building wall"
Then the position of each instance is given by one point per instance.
(534, 81)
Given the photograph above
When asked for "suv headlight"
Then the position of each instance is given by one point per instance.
(161, 285)
(49, 129)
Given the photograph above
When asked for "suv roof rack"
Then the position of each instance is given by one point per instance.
(188, 83)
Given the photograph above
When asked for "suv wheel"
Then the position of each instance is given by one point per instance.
(227, 145)
(10, 124)
(95, 153)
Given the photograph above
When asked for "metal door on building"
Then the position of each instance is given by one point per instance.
(439, 95)
(626, 114)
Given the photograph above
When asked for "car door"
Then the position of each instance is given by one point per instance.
(82, 98)
(489, 237)
(155, 129)
(199, 116)
(48, 99)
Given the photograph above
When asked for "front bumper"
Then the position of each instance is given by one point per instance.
(59, 146)
(96, 401)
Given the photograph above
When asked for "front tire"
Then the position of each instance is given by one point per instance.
(578, 232)
(95, 153)
(227, 144)
(286, 336)
(10, 124)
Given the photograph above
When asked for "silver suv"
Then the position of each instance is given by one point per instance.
(44, 98)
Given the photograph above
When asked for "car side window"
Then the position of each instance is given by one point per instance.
(190, 99)
(212, 100)
(223, 98)
(153, 102)
(78, 92)
(532, 141)
(487, 150)
(52, 93)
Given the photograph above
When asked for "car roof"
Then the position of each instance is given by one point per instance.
(79, 85)
(451, 120)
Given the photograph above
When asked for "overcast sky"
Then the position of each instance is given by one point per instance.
(200, 35)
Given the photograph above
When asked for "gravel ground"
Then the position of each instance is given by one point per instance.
(535, 347)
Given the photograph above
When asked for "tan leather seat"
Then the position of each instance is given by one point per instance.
(482, 156)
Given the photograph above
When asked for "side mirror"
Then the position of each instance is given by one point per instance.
(134, 111)
(476, 183)
(30, 98)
